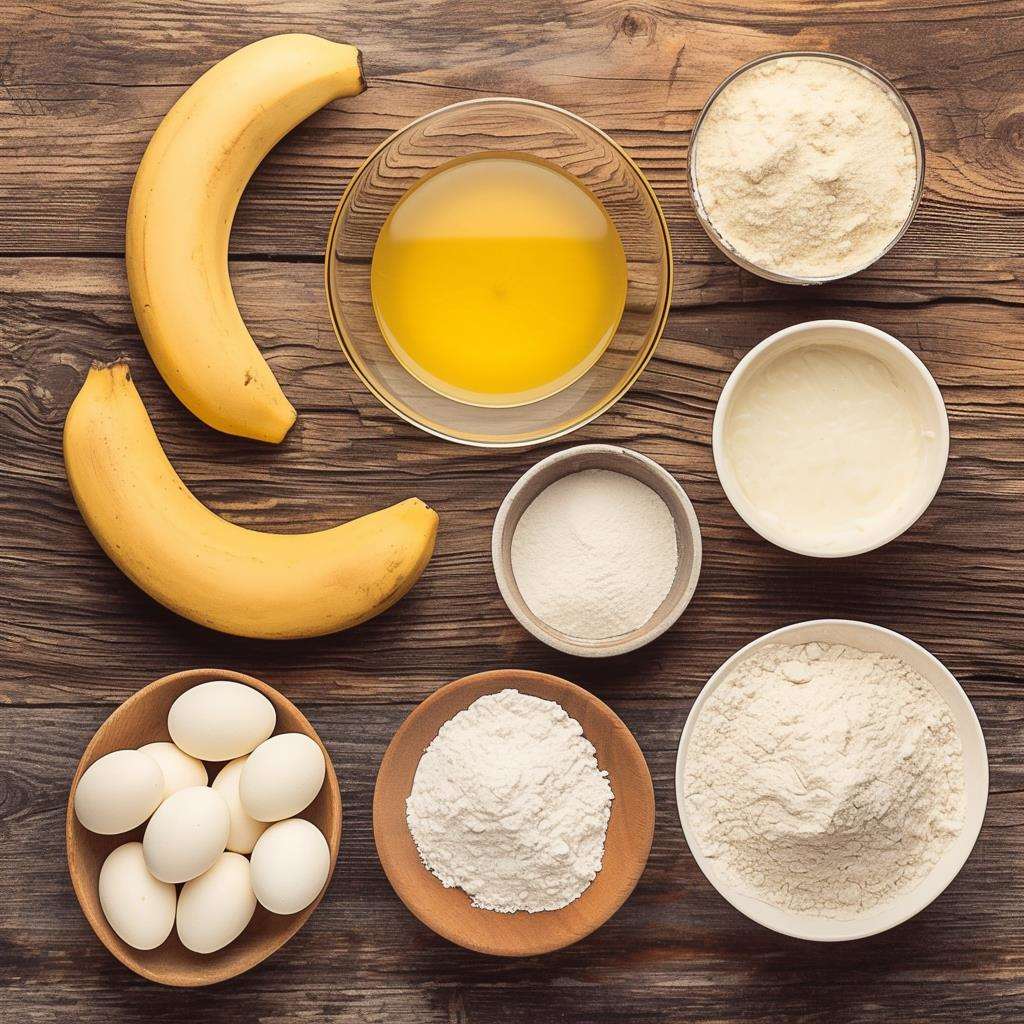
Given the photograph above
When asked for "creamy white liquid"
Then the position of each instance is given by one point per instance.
(828, 446)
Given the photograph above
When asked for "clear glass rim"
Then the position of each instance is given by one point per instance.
(698, 204)
(349, 349)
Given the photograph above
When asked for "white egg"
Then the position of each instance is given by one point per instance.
(214, 908)
(245, 830)
(118, 792)
(186, 834)
(281, 777)
(180, 770)
(220, 720)
(139, 907)
(290, 864)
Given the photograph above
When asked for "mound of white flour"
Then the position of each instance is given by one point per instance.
(824, 780)
(806, 167)
(508, 804)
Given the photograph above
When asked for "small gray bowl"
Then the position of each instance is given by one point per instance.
(617, 460)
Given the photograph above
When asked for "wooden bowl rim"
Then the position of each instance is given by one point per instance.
(293, 923)
(494, 681)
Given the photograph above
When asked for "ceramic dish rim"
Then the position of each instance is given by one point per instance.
(511, 595)
(727, 477)
(698, 203)
(594, 412)
(300, 919)
(910, 903)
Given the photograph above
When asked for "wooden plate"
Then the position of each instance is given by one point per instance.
(449, 911)
(143, 719)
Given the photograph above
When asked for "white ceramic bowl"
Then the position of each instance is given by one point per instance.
(901, 361)
(865, 637)
(618, 460)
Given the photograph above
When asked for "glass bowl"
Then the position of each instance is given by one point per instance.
(499, 125)
(917, 139)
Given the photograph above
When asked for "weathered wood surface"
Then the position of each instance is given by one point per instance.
(675, 952)
(82, 85)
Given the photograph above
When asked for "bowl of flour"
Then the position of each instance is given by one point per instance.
(831, 780)
(513, 812)
(806, 167)
(596, 550)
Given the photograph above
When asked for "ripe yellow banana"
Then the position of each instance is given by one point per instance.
(179, 221)
(214, 572)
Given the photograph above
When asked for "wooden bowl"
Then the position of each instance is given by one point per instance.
(449, 911)
(143, 719)
(616, 460)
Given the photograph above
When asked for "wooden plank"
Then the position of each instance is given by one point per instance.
(74, 129)
(83, 83)
(953, 582)
(676, 950)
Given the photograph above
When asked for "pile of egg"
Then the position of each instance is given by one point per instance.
(231, 844)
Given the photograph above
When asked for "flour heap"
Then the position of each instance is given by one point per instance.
(806, 167)
(824, 780)
(508, 804)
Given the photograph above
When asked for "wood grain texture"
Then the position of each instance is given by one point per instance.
(675, 951)
(82, 86)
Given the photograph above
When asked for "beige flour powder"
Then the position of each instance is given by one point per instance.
(806, 167)
(823, 779)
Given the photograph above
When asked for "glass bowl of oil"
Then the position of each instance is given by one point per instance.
(499, 272)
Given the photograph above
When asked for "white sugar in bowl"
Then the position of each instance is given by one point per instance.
(614, 459)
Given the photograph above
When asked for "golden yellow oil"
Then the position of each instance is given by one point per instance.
(498, 279)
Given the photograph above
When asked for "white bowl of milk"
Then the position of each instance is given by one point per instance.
(830, 438)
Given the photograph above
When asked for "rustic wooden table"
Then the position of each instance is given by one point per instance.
(82, 87)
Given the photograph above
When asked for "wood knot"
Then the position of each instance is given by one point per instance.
(635, 23)
(1010, 131)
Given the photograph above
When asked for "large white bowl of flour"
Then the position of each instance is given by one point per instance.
(862, 781)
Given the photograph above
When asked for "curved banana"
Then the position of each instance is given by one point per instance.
(179, 221)
(214, 572)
